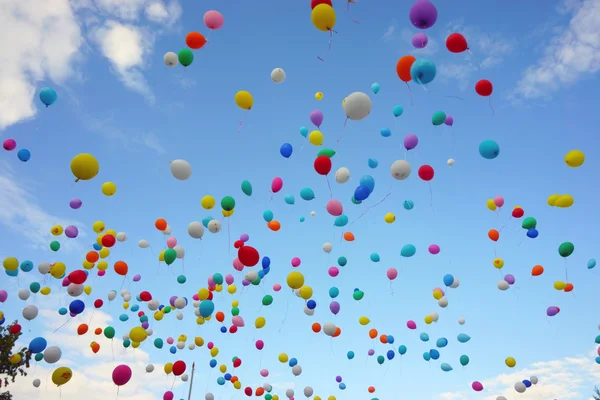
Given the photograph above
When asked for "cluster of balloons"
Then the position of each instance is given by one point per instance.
(23, 154)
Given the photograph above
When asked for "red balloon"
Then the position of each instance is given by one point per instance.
(14, 329)
(518, 212)
(141, 314)
(314, 3)
(145, 296)
(98, 303)
(238, 244)
(248, 391)
(323, 165)
(108, 240)
(484, 88)
(179, 368)
(248, 256)
(426, 172)
(233, 329)
(77, 277)
(456, 43)
(210, 295)
(237, 362)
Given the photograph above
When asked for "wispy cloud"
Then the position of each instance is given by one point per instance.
(389, 32)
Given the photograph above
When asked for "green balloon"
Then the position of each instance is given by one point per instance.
(39, 357)
(566, 249)
(235, 311)
(438, 118)
(126, 343)
(342, 261)
(464, 360)
(356, 201)
(34, 287)
(166, 309)
(247, 188)
(218, 278)
(268, 396)
(158, 343)
(186, 57)
(529, 223)
(109, 332)
(380, 360)
(181, 279)
(54, 246)
(227, 203)
(358, 295)
(326, 152)
(256, 282)
(267, 300)
(170, 256)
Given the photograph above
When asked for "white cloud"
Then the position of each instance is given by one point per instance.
(570, 56)
(389, 32)
(156, 11)
(459, 73)
(21, 214)
(43, 43)
(123, 9)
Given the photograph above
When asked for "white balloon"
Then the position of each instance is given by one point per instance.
(149, 331)
(461, 321)
(153, 305)
(503, 285)
(209, 396)
(121, 236)
(179, 303)
(179, 318)
(44, 268)
(112, 295)
(278, 75)
(184, 377)
(36, 382)
(168, 230)
(342, 175)
(214, 226)
(30, 312)
(455, 284)
(196, 304)
(500, 398)
(24, 294)
(329, 328)
(171, 59)
(74, 290)
(451, 161)
(443, 302)
(296, 370)
(327, 247)
(181, 345)
(357, 106)
(312, 213)
(308, 391)
(149, 368)
(534, 379)
(297, 292)
(124, 292)
(434, 316)
(181, 169)
(308, 311)
(196, 230)
(267, 387)
(289, 393)
(251, 275)
(180, 251)
(400, 170)
(143, 244)
(192, 346)
(197, 312)
(52, 354)
(127, 297)
(520, 387)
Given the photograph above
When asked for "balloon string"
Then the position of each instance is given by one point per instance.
(374, 205)
(331, 32)
(240, 126)
(431, 199)
(56, 330)
(410, 93)
(229, 240)
(329, 186)
(490, 103)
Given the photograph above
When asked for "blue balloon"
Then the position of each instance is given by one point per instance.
(97, 247)
(292, 362)
(266, 270)
(368, 181)
(221, 381)
(426, 356)
(3, 320)
(173, 349)
(402, 350)
(532, 233)
(385, 132)
(527, 383)
(126, 343)
(307, 194)
(311, 304)
(463, 338)
(24, 155)
(135, 308)
(213, 363)
(391, 354)
(597, 360)
(424, 337)
(62, 311)
(26, 266)
(434, 354)
(408, 250)
(441, 342)
(373, 163)
(38, 345)
(48, 96)
(12, 273)
(409, 204)
(334, 292)
(302, 219)
(423, 71)
(342, 386)
(266, 261)
(350, 355)
(123, 317)
(361, 193)
(375, 257)
(304, 131)
(76, 307)
(206, 220)
(261, 273)
(591, 263)
(223, 329)
(397, 111)
(376, 87)
(206, 308)
(289, 199)
(448, 280)
(286, 150)
(489, 149)
(340, 221)
(390, 339)
(446, 367)
(227, 376)
(268, 216)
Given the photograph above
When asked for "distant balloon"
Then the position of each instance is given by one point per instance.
(420, 40)
(48, 96)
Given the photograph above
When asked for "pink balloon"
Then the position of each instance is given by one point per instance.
(170, 340)
(599, 351)
(9, 144)
(3, 296)
(210, 281)
(499, 201)
(121, 375)
(237, 264)
(195, 297)
(244, 237)
(411, 324)
(171, 242)
(295, 262)
(392, 273)
(477, 386)
(229, 279)
(101, 273)
(264, 373)
(334, 271)
(276, 185)
(335, 208)
(212, 285)
(434, 249)
(213, 19)
(66, 282)
(210, 345)
(237, 321)
(277, 287)
(260, 344)
(168, 395)
(137, 277)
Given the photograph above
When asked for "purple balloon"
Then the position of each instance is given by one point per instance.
(137, 277)
(145, 325)
(434, 249)
(371, 352)
(66, 282)
(449, 120)
(245, 282)
(420, 40)
(72, 315)
(244, 237)
(3, 296)
(552, 311)
(338, 379)
(423, 14)
(316, 117)
(172, 300)
(71, 231)
(334, 307)
(75, 204)
(510, 279)
(411, 141)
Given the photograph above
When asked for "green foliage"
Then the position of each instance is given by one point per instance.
(596, 394)
(8, 371)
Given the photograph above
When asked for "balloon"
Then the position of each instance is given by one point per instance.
(510, 362)
(84, 167)
(213, 20)
(195, 40)
(357, 106)
(323, 17)
(322, 165)
(316, 117)
(489, 149)
(9, 144)
(420, 40)
(244, 100)
(109, 189)
(185, 57)
(423, 14)
(247, 188)
(520, 387)
(37, 345)
(408, 250)
(423, 71)
(403, 68)
(342, 175)
(574, 158)
(449, 120)
(307, 194)
(426, 172)
(319, 96)
(24, 155)
(456, 43)
(566, 249)
(170, 59)
(276, 184)
(477, 386)
(181, 169)
(316, 138)
(590, 264)
(278, 75)
(438, 118)
(411, 141)
(286, 150)
(61, 375)
(392, 273)
(196, 230)
(326, 152)
(434, 249)
(385, 132)
(48, 96)
(375, 88)
(484, 88)
(463, 338)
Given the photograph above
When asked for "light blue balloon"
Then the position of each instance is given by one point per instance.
(408, 250)
(426, 356)
(597, 360)
(342, 386)
(409, 204)
(463, 338)
(340, 221)
(334, 292)
(424, 337)
(26, 266)
(135, 308)
(397, 111)
(48, 96)
(434, 354)
(123, 317)
(62, 311)
(206, 220)
(385, 132)
(390, 339)
(307, 194)
(402, 350)
(350, 355)
(375, 257)
(441, 342)
(446, 367)
(302, 219)
(373, 163)
(268, 216)
(289, 199)
(423, 71)
(221, 381)
(592, 263)
(24, 155)
(304, 131)
(206, 308)
(293, 362)
(369, 182)
(376, 87)
(489, 149)
(448, 280)
(12, 273)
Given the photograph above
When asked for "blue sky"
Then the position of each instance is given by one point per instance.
(135, 115)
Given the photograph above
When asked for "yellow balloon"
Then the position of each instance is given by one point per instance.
(104, 252)
(58, 269)
(168, 368)
(218, 288)
(10, 264)
(98, 226)
(498, 263)
(61, 375)
(87, 265)
(552, 199)
(111, 232)
(223, 368)
(575, 158)
(323, 17)
(56, 230)
(226, 213)
(138, 334)
(45, 291)
(331, 398)
(564, 201)
(87, 290)
(319, 96)
(364, 321)
(84, 167)
(161, 256)
(437, 294)
(306, 292)
(208, 202)
(276, 397)
(389, 218)
(428, 319)
(158, 315)
(235, 303)
(558, 285)
(125, 305)
(343, 102)
(135, 345)
(200, 321)
(15, 359)
(260, 322)
(214, 351)
(231, 289)
(244, 100)
(99, 239)
(510, 362)
(199, 341)
(491, 205)
(317, 398)
(316, 138)
(238, 385)
(109, 188)
(203, 294)
(102, 266)
(283, 358)
(182, 338)
(1, 315)
(295, 280)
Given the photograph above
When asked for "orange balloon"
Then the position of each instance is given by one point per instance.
(160, 224)
(371, 389)
(92, 257)
(337, 332)
(260, 391)
(494, 235)
(82, 329)
(403, 68)
(95, 347)
(569, 287)
(537, 270)
(274, 225)
(373, 333)
(220, 316)
(195, 40)
(316, 327)
(234, 379)
(121, 268)
(349, 236)
(98, 331)
(383, 339)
